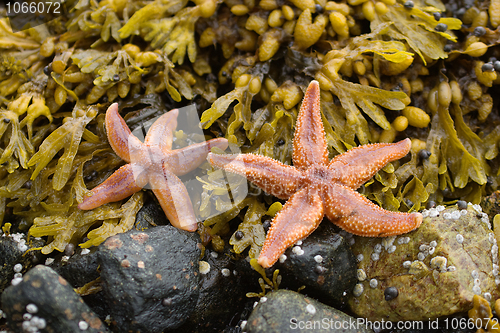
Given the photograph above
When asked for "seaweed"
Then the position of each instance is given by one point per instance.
(417, 26)
(66, 137)
(75, 223)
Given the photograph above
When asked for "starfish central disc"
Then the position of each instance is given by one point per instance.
(316, 187)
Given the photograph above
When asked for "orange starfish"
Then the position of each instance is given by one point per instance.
(152, 162)
(316, 187)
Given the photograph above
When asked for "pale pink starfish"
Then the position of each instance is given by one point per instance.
(152, 162)
(316, 187)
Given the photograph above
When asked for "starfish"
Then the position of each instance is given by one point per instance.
(316, 187)
(152, 162)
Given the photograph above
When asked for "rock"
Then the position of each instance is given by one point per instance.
(435, 269)
(12, 260)
(491, 204)
(79, 269)
(44, 300)
(222, 294)
(323, 263)
(150, 214)
(288, 311)
(150, 278)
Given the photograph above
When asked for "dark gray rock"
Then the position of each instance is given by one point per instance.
(44, 300)
(323, 263)
(150, 278)
(288, 311)
(222, 294)
(80, 269)
(12, 249)
(150, 214)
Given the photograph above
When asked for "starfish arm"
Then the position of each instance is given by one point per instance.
(184, 160)
(118, 186)
(161, 133)
(120, 137)
(174, 200)
(270, 175)
(300, 216)
(358, 165)
(309, 142)
(356, 214)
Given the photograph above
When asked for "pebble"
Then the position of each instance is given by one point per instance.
(390, 293)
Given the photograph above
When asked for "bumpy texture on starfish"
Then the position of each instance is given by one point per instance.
(316, 187)
(152, 162)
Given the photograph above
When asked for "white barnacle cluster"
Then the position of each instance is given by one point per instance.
(453, 215)
(18, 276)
(476, 288)
(403, 240)
(426, 250)
(297, 250)
(282, 258)
(433, 212)
(19, 239)
(437, 263)
(31, 322)
(388, 245)
(494, 257)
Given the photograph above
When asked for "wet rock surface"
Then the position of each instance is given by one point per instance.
(150, 278)
(436, 269)
(43, 300)
(491, 204)
(222, 294)
(323, 263)
(79, 269)
(288, 311)
(155, 280)
(12, 260)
